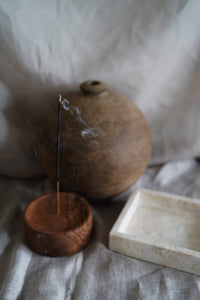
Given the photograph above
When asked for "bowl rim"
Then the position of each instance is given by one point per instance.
(87, 220)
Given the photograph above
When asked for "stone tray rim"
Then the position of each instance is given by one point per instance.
(124, 243)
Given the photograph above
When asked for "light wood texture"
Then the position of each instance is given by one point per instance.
(160, 228)
(51, 234)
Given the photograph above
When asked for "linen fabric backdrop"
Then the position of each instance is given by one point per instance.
(148, 51)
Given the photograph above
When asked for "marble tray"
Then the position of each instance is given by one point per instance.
(159, 228)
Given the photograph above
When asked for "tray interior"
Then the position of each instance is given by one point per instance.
(163, 219)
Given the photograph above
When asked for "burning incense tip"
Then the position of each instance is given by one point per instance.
(60, 98)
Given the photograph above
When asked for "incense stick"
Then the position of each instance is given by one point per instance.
(58, 155)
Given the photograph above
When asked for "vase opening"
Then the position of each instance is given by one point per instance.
(93, 87)
(93, 82)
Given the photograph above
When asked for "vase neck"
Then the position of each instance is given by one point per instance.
(93, 87)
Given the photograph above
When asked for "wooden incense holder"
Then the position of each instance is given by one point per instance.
(51, 234)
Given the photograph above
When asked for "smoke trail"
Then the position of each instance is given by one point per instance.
(76, 113)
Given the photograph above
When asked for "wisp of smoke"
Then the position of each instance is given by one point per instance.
(76, 113)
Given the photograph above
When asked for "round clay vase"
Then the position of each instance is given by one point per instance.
(105, 142)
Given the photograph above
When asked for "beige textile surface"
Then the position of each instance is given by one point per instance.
(146, 50)
(96, 272)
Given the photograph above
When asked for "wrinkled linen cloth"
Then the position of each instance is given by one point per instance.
(95, 272)
(146, 50)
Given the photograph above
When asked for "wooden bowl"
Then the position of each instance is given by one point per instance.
(58, 235)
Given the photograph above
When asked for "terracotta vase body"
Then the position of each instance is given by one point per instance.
(105, 142)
